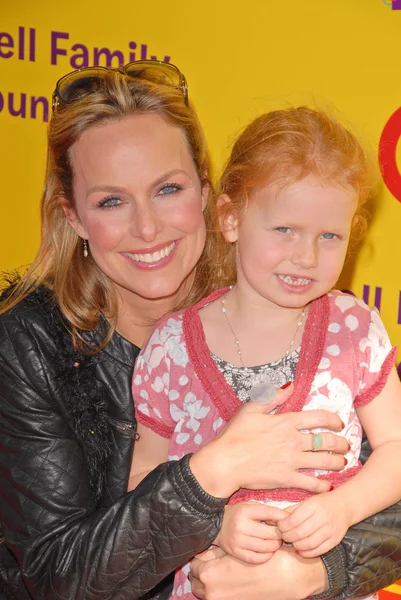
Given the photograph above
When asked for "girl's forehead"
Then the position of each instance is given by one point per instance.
(273, 193)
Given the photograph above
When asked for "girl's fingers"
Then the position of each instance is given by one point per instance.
(311, 542)
(261, 512)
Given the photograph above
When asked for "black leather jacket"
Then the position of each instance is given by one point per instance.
(70, 529)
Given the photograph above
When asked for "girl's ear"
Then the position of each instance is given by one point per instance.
(72, 218)
(228, 218)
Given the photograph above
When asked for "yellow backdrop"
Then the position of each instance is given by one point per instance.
(240, 60)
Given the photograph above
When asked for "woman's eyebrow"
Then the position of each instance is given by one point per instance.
(167, 175)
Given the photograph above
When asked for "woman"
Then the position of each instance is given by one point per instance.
(123, 233)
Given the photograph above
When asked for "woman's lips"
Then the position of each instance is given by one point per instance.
(159, 256)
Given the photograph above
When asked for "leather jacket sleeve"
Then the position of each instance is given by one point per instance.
(65, 546)
(369, 557)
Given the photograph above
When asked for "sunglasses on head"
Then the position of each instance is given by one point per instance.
(155, 71)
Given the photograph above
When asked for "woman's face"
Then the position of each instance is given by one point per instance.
(139, 203)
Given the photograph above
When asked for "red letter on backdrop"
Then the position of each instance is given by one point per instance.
(387, 154)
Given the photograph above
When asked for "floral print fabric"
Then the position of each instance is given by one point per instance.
(344, 362)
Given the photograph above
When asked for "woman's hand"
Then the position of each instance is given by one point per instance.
(249, 531)
(286, 575)
(257, 450)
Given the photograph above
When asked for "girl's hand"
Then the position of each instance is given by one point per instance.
(260, 451)
(286, 575)
(249, 531)
(316, 525)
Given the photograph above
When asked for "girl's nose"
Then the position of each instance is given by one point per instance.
(305, 254)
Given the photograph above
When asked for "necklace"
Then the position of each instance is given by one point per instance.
(300, 323)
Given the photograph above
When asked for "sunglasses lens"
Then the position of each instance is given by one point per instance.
(76, 84)
(162, 73)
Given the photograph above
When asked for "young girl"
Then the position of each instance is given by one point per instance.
(291, 194)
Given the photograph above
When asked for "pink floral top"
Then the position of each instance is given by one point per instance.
(344, 362)
(180, 393)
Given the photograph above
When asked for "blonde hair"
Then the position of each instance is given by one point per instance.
(81, 289)
(285, 146)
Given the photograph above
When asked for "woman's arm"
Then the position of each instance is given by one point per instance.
(286, 576)
(65, 545)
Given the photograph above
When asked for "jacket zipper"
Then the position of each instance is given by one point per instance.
(125, 427)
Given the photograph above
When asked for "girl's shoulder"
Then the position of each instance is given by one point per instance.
(352, 319)
(349, 309)
(173, 323)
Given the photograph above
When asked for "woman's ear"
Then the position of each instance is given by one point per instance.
(228, 218)
(72, 218)
(205, 195)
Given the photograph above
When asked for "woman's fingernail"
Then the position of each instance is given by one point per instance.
(345, 462)
(331, 488)
(285, 386)
(343, 425)
(349, 446)
(296, 551)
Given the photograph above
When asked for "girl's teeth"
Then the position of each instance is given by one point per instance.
(294, 280)
(154, 257)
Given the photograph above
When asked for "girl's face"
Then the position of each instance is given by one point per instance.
(139, 202)
(292, 240)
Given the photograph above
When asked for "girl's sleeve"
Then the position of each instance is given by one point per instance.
(151, 384)
(376, 357)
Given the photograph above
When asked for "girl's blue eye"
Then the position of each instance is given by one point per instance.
(170, 188)
(110, 202)
(283, 229)
(329, 236)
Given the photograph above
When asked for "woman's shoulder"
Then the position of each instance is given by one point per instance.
(37, 309)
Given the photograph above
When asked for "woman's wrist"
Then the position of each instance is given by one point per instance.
(191, 491)
(334, 563)
(211, 472)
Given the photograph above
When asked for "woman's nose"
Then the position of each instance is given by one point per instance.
(146, 223)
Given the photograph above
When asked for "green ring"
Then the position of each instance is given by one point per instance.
(317, 441)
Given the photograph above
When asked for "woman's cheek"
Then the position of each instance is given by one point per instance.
(105, 235)
(188, 217)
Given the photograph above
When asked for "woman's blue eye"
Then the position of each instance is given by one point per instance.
(328, 236)
(283, 229)
(170, 188)
(109, 202)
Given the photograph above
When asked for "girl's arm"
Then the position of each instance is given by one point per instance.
(319, 523)
(150, 451)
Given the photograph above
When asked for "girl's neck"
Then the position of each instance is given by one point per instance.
(261, 330)
(248, 307)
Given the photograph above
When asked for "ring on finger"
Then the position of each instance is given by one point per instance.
(317, 442)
